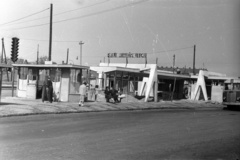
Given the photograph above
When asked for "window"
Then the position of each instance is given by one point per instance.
(23, 73)
(76, 78)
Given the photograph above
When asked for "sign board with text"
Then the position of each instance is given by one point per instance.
(127, 55)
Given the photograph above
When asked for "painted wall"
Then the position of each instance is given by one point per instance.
(64, 91)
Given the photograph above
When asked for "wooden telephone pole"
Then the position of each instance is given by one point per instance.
(81, 43)
(37, 53)
(50, 34)
(194, 54)
(4, 52)
(67, 56)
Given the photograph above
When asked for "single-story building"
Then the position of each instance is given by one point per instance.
(66, 80)
(141, 80)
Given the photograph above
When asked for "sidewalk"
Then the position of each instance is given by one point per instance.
(14, 106)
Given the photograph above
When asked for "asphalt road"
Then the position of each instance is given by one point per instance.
(142, 135)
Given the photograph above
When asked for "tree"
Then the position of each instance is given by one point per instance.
(42, 59)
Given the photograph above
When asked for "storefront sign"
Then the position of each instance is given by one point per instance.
(127, 55)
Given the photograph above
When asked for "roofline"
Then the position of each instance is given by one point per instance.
(51, 66)
(5, 66)
(172, 75)
(115, 68)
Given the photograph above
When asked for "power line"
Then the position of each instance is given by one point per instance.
(81, 8)
(84, 16)
(24, 17)
(104, 11)
(29, 20)
(28, 39)
(173, 50)
(61, 13)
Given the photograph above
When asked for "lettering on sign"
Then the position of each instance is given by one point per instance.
(127, 55)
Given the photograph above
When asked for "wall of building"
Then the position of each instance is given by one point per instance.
(217, 93)
(64, 91)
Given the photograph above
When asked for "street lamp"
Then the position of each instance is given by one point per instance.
(81, 43)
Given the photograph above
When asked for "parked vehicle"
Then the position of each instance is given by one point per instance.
(231, 93)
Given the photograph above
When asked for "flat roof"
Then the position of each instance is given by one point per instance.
(173, 75)
(221, 78)
(5, 66)
(163, 74)
(114, 68)
(51, 66)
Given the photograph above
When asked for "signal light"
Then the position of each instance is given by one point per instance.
(15, 44)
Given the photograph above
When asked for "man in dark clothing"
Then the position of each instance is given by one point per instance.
(47, 90)
(114, 94)
(107, 94)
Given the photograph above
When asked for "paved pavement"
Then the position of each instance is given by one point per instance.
(13, 106)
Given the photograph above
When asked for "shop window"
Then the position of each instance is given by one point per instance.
(23, 73)
(125, 76)
(77, 76)
(75, 80)
(119, 74)
(84, 75)
(55, 75)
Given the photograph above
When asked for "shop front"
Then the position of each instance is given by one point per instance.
(66, 80)
(139, 80)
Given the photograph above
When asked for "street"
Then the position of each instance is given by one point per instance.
(149, 134)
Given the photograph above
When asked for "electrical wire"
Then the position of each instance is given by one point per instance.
(84, 16)
(173, 50)
(24, 17)
(28, 21)
(47, 40)
(104, 11)
(81, 8)
(61, 13)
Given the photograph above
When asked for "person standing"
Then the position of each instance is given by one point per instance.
(49, 89)
(82, 92)
(107, 94)
(96, 92)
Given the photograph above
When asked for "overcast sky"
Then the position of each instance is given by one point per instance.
(160, 28)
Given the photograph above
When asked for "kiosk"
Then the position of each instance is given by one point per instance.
(66, 80)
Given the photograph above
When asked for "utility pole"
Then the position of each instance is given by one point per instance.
(81, 43)
(194, 52)
(50, 34)
(146, 61)
(37, 53)
(67, 56)
(173, 62)
(3, 51)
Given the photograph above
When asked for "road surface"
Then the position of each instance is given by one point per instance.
(141, 135)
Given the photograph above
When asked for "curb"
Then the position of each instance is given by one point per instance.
(109, 110)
